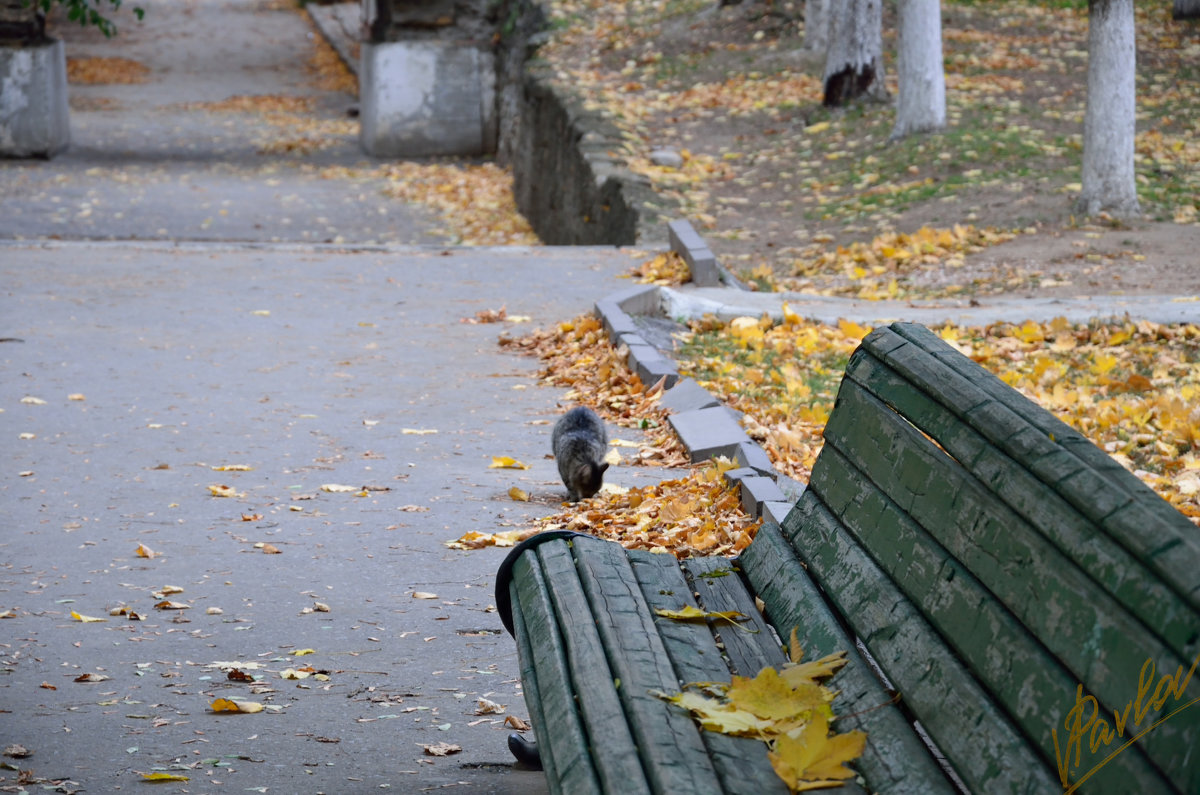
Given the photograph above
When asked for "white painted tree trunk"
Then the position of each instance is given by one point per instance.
(1109, 183)
(854, 66)
(816, 27)
(921, 106)
(1187, 9)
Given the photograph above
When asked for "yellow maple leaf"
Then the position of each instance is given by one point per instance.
(770, 697)
(717, 716)
(812, 758)
(798, 674)
(518, 494)
(86, 619)
(163, 777)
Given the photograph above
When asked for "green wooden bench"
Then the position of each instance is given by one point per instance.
(972, 553)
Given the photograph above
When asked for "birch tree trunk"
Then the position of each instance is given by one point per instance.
(921, 106)
(1187, 9)
(1109, 183)
(854, 66)
(816, 27)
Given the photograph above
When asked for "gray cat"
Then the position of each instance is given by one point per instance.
(580, 443)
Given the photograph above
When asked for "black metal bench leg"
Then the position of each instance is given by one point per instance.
(526, 751)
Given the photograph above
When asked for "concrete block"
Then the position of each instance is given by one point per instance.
(752, 456)
(708, 432)
(756, 490)
(736, 475)
(653, 368)
(686, 242)
(34, 117)
(687, 395)
(421, 98)
(616, 321)
(641, 299)
(776, 511)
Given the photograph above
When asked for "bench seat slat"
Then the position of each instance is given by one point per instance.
(985, 749)
(546, 675)
(1107, 562)
(741, 762)
(1100, 488)
(674, 755)
(895, 759)
(751, 644)
(1099, 642)
(609, 737)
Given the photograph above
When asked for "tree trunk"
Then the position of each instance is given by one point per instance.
(1109, 184)
(854, 66)
(1187, 9)
(816, 27)
(922, 103)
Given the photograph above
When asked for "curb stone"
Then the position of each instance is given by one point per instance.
(704, 426)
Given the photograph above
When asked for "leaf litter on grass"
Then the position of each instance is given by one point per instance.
(786, 189)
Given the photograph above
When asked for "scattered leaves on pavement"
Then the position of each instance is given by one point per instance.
(698, 514)
(106, 71)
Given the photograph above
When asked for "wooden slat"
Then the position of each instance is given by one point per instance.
(674, 756)
(610, 740)
(1015, 669)
(562, 739)
(750, 643)
(1089, 479)
(1091, 633)
(985, 749)
(741, 762)
(895, 759)
(1108, 563)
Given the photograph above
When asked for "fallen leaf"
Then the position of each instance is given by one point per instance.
(218, 490)
(518, 494)
(17, 751)
(485, 707)
(229, 705)
(418, 431)
(441, 749)
(692, 613)
(814, 758)
(303, 652)
(33, 401)
(86, 619)
(513, 722)
(505, 462)
(269, 549)
(91, 677)
(233, 468)
(338, 488)
(166, 604)
(144, 551)
(163, 777)
(424, 595)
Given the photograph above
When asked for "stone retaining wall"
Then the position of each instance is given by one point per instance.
(569, 179)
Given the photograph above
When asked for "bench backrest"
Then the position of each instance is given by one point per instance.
(1001, 570)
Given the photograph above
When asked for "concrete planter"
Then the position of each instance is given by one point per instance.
(421, 98)
(34, 120)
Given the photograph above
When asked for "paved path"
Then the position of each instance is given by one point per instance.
(312, 367)
(158, 160)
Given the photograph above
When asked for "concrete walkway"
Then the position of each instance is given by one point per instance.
(158, 364)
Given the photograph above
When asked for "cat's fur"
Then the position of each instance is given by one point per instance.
(580, 443)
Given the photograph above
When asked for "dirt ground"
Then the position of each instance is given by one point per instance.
(777, 183)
